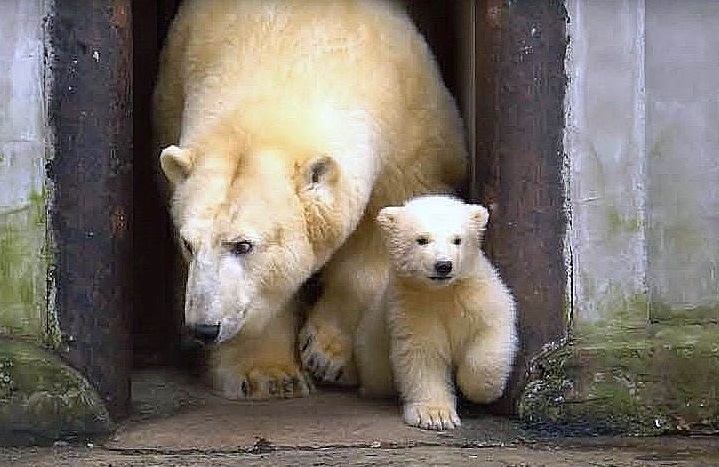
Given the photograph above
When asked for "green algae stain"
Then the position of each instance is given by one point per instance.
(625, 310)
(654, 380)
(621, 224)
(42, 399)
(679, 316)
(24, 263)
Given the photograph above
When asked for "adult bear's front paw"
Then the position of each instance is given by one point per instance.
(269, 381)
(327, 354)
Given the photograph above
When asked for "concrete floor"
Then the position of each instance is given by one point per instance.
(176, 422)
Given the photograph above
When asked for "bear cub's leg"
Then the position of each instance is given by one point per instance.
(423, 377)
(483, 370)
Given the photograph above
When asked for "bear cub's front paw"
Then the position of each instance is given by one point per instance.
(431, 416)
(327, 354)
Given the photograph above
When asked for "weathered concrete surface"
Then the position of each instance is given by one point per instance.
(642, 354)
(42, 399)
(604, 142)
(175, 422)
(672, 452)
(648, 381)
(682, 78)
(164, 402)
(23, 254)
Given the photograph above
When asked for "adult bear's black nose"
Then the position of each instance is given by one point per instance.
(205, 333)
(443, 267)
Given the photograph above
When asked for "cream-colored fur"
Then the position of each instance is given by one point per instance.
(286, 125)
(461, 324)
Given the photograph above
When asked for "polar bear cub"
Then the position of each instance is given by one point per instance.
(447, 311)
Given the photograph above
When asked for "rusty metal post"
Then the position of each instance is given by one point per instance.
(90, 107)
(520, 122)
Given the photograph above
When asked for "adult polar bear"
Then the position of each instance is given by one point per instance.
(286, 126)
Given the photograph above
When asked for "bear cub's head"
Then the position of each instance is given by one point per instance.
(435, 239)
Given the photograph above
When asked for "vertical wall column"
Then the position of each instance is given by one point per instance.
(90, 106)
(605, 140)
(520, 85)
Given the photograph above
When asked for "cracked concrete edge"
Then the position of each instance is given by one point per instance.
(264, 445)
(644, 381)
(679, 451)
(42, 399)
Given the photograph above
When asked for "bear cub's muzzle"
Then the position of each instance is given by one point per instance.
(442, 270)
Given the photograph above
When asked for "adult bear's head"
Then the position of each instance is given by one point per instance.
(253, 225)
(260, 201)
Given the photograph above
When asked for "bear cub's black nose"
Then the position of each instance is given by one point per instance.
(205, 333)
(443, 267)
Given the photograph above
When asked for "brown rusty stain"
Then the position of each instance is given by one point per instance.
(120, 16)
(118, 222)
(518, 166)
(494, 10)
(90, 111)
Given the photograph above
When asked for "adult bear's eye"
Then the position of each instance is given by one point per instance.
(187, 246)
(457, 240)
(422, 240)
(242, 247)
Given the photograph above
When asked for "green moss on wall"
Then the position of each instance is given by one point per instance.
(42, 399)
(613, 379)
(625, 373)
(618, 311)
(24, 263)
(617, 223)
(673, 315)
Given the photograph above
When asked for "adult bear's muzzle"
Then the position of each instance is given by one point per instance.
(205, 333)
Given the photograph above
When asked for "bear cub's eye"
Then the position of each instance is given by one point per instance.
(187, 246)
(422, 240)
(457, 241)
(240, 248)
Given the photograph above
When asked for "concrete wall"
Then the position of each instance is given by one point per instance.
(23, 134)
(41, 398)
(682, 111)
(605, 144)
(643, 151)
(642, 178)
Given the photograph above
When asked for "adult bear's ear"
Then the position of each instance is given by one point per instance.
(177, 163)
(479, 216)
(316, 174)
(388, 218)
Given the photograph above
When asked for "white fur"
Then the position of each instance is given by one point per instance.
(251, 96)
(462, 326)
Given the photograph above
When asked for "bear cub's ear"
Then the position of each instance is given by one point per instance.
(479, 216)
(388, 217)
(177, 163)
